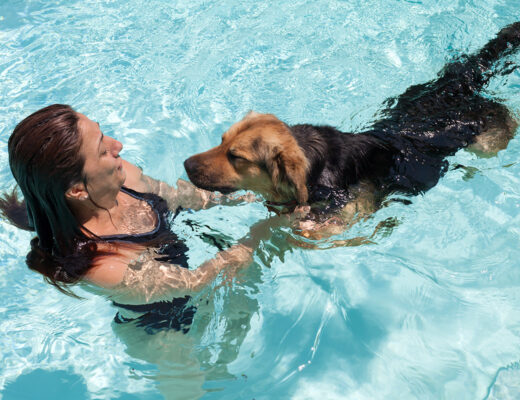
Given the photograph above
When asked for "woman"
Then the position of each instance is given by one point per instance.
(99, 220)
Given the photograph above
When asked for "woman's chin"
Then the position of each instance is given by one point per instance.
(123, 177)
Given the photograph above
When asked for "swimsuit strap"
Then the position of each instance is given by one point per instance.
(139, 237)
(172, 249)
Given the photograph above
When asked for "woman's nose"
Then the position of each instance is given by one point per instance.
(117, 146)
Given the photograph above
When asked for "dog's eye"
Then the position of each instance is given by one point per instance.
(233, 157)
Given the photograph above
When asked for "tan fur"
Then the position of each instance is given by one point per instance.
(257, 153)
(274, 165)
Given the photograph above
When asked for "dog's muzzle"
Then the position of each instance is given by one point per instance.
(202, 176)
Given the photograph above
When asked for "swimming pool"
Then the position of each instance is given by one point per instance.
(429, 311)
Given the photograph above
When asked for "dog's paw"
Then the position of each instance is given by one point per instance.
(320, 230)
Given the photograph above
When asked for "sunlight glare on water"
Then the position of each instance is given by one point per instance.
(429, 310)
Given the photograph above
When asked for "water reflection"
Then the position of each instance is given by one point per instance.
(189, 365)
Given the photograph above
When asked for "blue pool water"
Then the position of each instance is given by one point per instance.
(428, 311)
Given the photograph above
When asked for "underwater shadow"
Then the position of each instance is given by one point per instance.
(47, 385)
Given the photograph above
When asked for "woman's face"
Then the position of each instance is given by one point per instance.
(103, 166)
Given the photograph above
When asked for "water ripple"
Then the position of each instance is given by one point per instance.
(427, 310)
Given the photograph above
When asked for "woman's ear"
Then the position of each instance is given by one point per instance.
(78, 191)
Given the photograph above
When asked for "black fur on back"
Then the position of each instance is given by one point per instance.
(405, 149)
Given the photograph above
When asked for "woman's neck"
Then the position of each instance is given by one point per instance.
(129, 215)
(96, 215)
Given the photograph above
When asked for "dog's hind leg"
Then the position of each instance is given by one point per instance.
(500, 128)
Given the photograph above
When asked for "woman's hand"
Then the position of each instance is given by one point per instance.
(263, 230)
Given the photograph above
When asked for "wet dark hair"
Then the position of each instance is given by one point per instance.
(45, 159)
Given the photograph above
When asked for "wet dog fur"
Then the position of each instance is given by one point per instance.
(404, 151)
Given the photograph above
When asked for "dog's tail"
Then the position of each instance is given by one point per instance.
(506, 42)
(477, 68)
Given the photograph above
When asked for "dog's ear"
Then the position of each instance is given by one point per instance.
(295, 166)
(288, 166)
(251, 114)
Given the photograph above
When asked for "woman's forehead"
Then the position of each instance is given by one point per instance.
(89, 131)
(87, 127)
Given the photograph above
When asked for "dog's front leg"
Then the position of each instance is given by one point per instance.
(361, 207)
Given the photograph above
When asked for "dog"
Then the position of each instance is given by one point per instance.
(348, 174)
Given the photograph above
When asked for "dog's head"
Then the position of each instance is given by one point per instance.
(258, 153)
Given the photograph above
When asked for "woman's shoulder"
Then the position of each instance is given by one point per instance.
(109, 269)
(108, 272)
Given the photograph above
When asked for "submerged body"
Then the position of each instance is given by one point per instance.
(404, 151)
(176, 313)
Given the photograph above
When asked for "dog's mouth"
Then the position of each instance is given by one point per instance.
(221, 189)
(202, 183)
(202, 177)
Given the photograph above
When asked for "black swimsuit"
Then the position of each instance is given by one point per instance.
(175, 314)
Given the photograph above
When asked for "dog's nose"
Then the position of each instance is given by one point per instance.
(190, 165)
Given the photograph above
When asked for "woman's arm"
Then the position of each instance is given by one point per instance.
(138, 278)
(186, 195)
(144, 279)
(147, 279)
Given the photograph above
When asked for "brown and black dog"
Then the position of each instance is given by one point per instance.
(404, 151)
